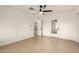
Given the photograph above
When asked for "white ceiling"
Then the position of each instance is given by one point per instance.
(55, 8)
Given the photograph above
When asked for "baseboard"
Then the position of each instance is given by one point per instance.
(9, 41)
(6, 42)
(63, 38)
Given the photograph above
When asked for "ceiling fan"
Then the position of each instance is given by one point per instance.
(41, 9)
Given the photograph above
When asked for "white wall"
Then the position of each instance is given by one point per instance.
(15, 25)
(67, 23)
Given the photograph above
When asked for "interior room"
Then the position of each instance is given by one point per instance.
(39, 28)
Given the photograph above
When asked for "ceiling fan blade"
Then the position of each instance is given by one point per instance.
(32, 9)
(40, 10)
(41, 6)
(44, 6)
(47, 10)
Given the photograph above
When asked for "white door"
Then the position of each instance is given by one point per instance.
(40, 28)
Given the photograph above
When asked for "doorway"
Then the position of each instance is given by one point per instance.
(38, 28)
(35, 29)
